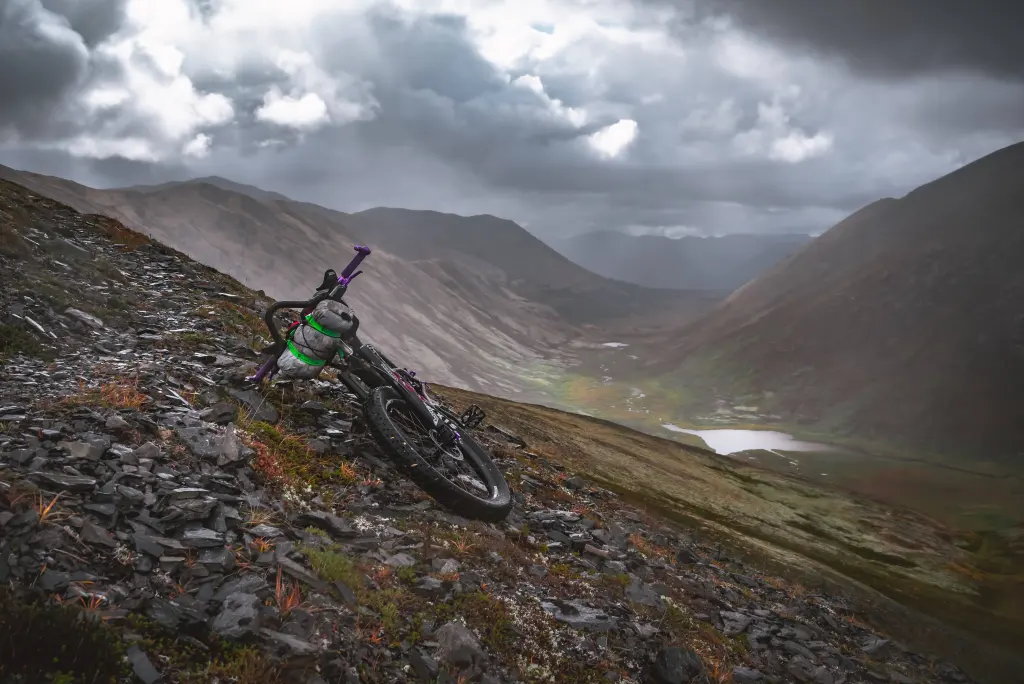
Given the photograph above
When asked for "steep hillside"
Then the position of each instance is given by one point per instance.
(902, 323)
(687, 263)
(434, 291)
(164, 523)
(535, 271)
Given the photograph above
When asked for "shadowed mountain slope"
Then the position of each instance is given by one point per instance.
(903, 323)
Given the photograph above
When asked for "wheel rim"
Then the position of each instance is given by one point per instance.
(446, 457)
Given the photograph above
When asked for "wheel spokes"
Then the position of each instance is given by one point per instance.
(447, 460)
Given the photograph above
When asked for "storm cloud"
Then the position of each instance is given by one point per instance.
(696, 116)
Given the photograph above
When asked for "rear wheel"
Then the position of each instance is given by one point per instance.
(458, 473)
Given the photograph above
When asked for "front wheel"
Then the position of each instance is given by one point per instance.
(458, 473)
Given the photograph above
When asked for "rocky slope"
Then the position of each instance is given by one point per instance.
(158, 523)
(902, 323)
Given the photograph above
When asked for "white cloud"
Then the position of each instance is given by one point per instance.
(198, 146)
(796, 146)
(154, 92)
(305, 112)
(774, 137)
(317, 97)
(671, 232)
(575, 116)
(611, 141)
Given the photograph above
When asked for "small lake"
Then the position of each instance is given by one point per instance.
(726, 442)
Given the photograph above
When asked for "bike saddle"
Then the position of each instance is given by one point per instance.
(330, 280)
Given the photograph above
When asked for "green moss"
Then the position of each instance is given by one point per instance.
(45, 642)
(190, 339)
(15, 340)
(196, 662)
(334, 566)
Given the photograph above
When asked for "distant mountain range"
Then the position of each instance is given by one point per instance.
(687, 263)
(903, 323)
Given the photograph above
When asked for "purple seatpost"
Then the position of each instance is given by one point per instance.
(346, 276)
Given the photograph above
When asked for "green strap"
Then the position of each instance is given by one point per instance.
(309, 361)
(319, 328)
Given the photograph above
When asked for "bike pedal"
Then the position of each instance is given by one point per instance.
(472, 416)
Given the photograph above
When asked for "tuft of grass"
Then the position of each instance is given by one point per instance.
(119, 393)
(285, 458)
(45, 510)
(289, 597)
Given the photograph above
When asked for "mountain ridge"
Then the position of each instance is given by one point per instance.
(900, 323)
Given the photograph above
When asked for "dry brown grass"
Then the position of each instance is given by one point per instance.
(118, 393)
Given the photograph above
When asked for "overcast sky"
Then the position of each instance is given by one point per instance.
(675, 117)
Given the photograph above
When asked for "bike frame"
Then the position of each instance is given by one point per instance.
(365, 361)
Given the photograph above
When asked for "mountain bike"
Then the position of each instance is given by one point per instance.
(424, 437)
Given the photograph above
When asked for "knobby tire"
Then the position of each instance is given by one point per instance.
(392, 440)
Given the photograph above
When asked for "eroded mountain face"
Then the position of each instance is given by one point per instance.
(217, 533)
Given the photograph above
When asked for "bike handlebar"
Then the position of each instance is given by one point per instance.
(268, 318)
(346, 275)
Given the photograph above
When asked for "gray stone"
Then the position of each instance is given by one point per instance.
(202, 442)
(218, 559)
(222, 413)
(89, 450)
(230, 447)
(429, 586)
(580, 616)
(258, 407)
(676, 665)
(458, 646)
(117, 423)
(614, 567)
(401, 560)
(444, 565)
(266, 531)
(876, 647)
(83, 317)
(92, 533)
(745, 675)
(424, 666)
(575, 482)
(641, 593)
(142, 666)
(148, 450)
(734, 623)
(239, 617)
(287, 643)
(72, 483)
(202, 538)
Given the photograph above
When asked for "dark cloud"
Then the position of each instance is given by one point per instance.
(42, 59)
(725, 119)
(891, 38)
(94, 20)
